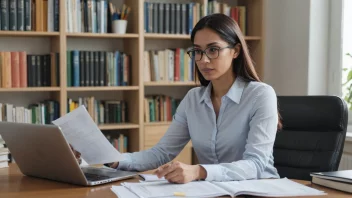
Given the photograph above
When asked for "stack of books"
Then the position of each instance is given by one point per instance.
(340, 180)
(4, 154)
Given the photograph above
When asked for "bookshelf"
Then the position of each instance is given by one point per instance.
(135, 42)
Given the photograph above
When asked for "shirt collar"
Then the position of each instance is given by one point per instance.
(234, 93)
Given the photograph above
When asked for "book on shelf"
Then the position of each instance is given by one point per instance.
(120, 142)
(168, 65)
(88, 16)
(39, 113)
(19, 69)
(30, 15)
(237, 13)
(102, 111)
(159, 108)
(98, 68)
(171, 18)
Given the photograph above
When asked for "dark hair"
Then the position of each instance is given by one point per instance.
(229, 31)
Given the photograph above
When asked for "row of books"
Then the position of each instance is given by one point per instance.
(238, 13)
(171, 18)
(159, 108)
(18, 69)
(40, 113)
(87, 16)
(98, 68)
(30, 15)
(168, 65)
(120, 143)
(102, 111)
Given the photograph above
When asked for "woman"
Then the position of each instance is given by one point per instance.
(231, 119)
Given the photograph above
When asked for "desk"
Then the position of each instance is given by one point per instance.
(14, 184)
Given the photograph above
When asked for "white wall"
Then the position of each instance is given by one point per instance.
(296, 38)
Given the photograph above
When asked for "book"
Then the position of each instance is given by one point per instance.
(344, 175)
(263, 187)
(333, 184)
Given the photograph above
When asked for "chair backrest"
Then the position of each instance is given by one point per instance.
(312, 137)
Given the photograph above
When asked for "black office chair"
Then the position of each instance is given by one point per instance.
(313, 135)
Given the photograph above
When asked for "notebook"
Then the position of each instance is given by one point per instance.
(344, 175)
(264, 187)
(333, 184)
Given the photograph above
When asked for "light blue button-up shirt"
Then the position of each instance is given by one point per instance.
(238, 145)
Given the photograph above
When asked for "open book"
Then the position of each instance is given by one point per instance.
(264, 187)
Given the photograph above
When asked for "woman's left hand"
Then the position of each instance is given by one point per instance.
(178, 172)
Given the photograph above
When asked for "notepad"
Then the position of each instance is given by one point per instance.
(263, 187)
(150, 178)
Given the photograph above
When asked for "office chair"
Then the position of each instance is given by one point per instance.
(312, 137)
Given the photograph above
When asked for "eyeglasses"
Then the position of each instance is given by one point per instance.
(210, 52)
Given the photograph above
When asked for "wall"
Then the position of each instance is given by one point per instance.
(296, 39)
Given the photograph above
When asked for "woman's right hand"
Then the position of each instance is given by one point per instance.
(77, 154)
(114, 165)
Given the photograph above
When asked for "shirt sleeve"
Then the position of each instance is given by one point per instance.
(259, 144)
(169, 146)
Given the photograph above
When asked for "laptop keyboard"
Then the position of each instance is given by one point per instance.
(94, 177)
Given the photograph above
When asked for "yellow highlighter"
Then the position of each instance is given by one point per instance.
(179, 194)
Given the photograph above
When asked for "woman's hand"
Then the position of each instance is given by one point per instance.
(77, 154)
(178, 172)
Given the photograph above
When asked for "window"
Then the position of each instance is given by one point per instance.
(347, 48)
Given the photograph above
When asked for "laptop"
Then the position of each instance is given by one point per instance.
(42, 151)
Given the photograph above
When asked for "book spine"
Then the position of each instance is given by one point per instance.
(190, 18)
(87, 68)
(15, 69)
(91, 72)
(56, 15)
(178, 18)
(82, 68)
(45, 71)
(27, 15)
(69, 69)
(161, 18)
(96, 68)
(76, 66)
(39, 69)
(102, 68)
(20, 15)
(146, 17)
(4, 15)
(155, 18)
(184, 18)
(23, 69)
(13, 15)
(167, 18)
(173, 18)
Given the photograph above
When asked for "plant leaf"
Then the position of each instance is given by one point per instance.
(349, 77)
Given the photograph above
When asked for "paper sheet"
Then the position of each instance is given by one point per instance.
(166, 189)
(122, 192)
(268, 187)
(84, 135)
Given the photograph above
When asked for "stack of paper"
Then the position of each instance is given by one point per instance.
(264, 187)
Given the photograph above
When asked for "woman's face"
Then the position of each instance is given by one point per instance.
(219, 51)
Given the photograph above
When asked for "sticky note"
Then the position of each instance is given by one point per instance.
(179, 194)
